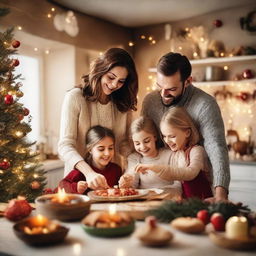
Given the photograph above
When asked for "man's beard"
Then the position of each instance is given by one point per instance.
(175, 100)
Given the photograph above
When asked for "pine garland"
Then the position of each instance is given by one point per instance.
(170, 210)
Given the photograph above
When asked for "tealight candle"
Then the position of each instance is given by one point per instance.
(61, 197)
(237, 228)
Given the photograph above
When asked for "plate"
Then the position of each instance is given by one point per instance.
(141, 193)
(234, 244)
(109, 232)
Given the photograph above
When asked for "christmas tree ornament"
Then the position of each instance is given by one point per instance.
(8, 99)
(15, 43)
(19, 94)
(35, 184)
(26, 111)
(17, 209)
(20, 117)
(5, 164)
(15, 63)
(217, 23)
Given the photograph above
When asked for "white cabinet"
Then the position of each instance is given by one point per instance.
(243, 183)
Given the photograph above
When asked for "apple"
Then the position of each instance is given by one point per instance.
(204, 216)
(218, 221)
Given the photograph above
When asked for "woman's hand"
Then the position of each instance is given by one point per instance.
(144, 168)
(96, 181)
(81, 186)
(126, 181)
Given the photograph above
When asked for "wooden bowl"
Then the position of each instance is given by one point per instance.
(110, 232)
(53, 237)
(78, 207)
(221, 240)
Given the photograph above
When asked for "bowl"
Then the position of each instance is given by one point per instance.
(53, 237)
(76, 209)
(110, 232)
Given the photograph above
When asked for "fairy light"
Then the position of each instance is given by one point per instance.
(35, 49)
(49, 15)
(150, 77)
(47, 52)
(222, 54)
(19, 27)
(131, 44)
(19, 134)
(35, 175)
(142, 37)
(153, 42)
(225, 67)
(195, 54)
(53, 9)
(100, 53)
(150, 38)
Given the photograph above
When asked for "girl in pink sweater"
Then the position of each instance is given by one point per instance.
(188, 161)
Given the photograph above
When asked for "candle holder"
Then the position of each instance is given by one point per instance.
(37, 233)
(66, 208)
(108, 224)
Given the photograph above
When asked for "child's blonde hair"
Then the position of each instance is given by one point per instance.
(94, 135)
(179, 118)
(144, 124)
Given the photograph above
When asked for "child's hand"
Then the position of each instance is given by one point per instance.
(126, 181)
(81, 186)
(96, 181)
(144, 168)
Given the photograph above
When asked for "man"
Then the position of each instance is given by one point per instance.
(175, 89)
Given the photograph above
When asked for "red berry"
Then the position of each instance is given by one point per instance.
(204, 216)
(218, 221)
(15, 63)
(25, 111)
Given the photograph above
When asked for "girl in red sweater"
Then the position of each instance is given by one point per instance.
(100, 147)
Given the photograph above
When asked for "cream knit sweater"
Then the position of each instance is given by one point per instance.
(77, 116)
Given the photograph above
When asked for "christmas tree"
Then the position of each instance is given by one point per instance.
(20, 169)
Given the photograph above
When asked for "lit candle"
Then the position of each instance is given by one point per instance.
(237, 228)
(61, 196)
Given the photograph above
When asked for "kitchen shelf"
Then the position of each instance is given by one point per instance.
(219, 61)
(223, 83)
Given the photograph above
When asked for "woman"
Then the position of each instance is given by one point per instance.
(107, 98)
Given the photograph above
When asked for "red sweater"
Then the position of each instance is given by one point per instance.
(112, 173)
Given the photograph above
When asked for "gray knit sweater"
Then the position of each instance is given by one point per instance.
(206, 114)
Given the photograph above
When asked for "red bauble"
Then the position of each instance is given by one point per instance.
(35, 184)
(17, 209)
(26, 111)
(4, 165)
(218, 221)
(204, 216)
(247, 74)
(15, 63)
(20, 117)
(217, 23)
(8, 99)
(15, 43)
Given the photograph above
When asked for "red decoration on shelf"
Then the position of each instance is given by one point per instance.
(244, 96)
(17, 209)
(35, 184)
(8, 99)
(15, 43)
(247, 74)
(15, 63)
(217, 23)
(4, 164)
(26, 111)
